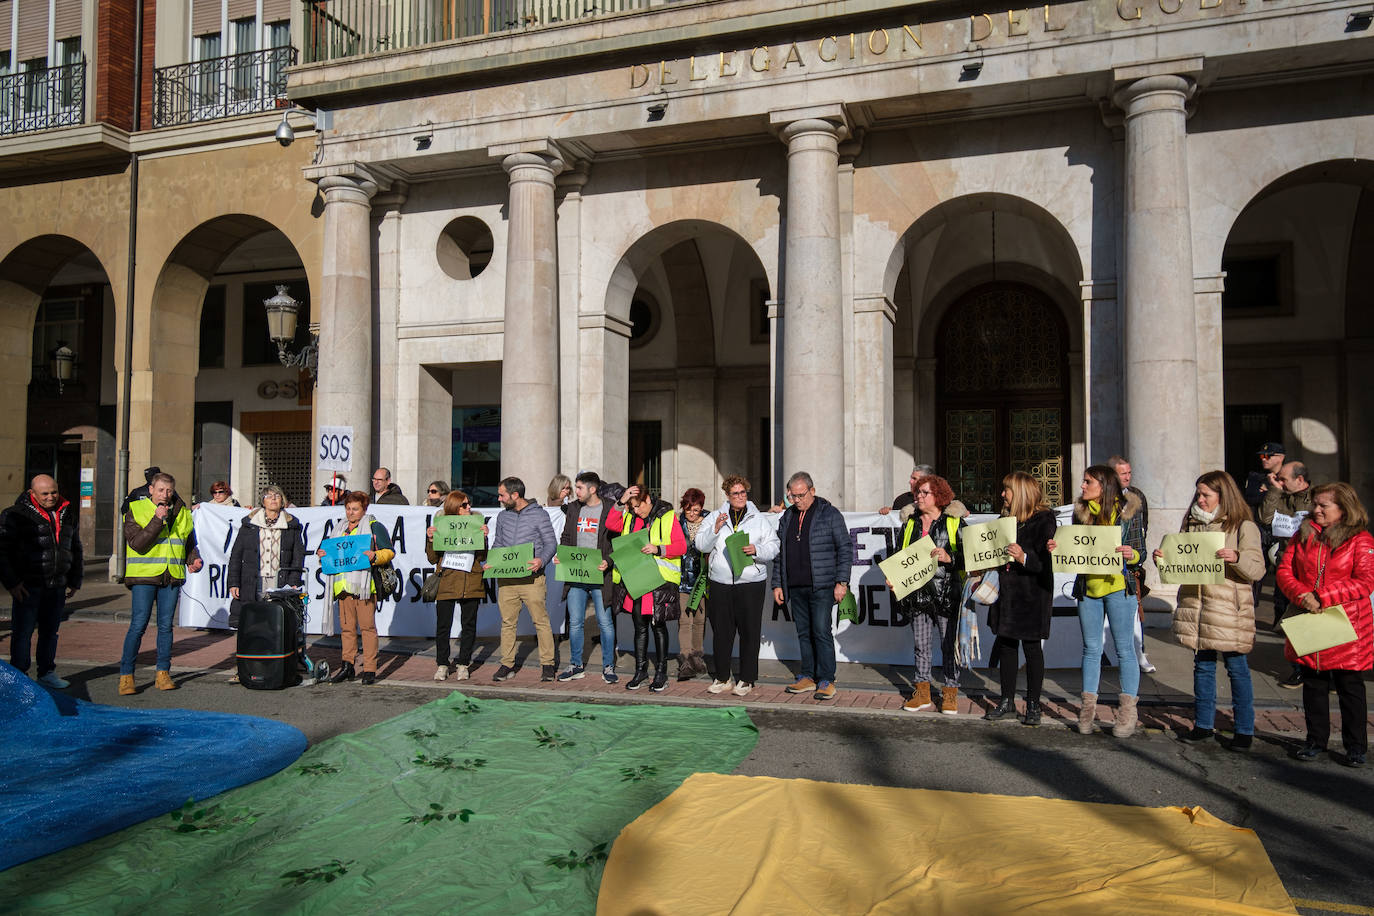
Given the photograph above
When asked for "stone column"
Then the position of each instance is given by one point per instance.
(343, 385)
(874, 320)
(529, 354)
(813, 410)
(1160, 350)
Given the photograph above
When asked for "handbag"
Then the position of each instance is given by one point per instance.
(429, 591)
(385, 579)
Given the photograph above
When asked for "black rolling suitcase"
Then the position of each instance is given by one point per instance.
(269, 645)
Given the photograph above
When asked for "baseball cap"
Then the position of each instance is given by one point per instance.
(338, 481)
(1272, 448)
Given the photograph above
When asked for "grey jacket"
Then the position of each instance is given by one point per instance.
(530, 525)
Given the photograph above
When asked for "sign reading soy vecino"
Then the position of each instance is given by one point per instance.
(910, 569)
(880, 635)
(905, 41)
(1090, 549)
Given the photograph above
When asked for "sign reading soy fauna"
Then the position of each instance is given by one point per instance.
(985, 545)
(910, 569)
(509, 562)
(1090, 549)
(1190, 558)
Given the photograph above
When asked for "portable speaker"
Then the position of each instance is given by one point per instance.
(268, 640)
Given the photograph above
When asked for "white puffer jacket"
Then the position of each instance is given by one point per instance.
(762, 533)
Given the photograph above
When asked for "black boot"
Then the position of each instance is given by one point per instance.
(1032, 716)
(345, 673)
(1006, 706)
(641, 655)
(660, 682)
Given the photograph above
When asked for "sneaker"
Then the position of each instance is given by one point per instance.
(1197, 735)
(461, 673)
(721, 686)
(368, 678)
(801, 685)
(742, 689)
(1353, 759)
(1308, 753)
(825, 691)
(608, 674)
(1293, 681)
(441, 673)
(546, 673)
(1145, 665)
(573, 673)
(636, 682)
(504, 673)
(52, 680)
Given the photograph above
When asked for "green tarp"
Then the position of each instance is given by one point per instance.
(459, 806)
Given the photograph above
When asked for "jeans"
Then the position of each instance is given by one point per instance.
(143, 597)
(41, 609)
(1205, 689)
(1119, 608)
(810, 609)
(577, 619)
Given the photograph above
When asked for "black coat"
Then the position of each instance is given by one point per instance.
(244, 558)
(940, 596)
(29, 553)
(1025, 597)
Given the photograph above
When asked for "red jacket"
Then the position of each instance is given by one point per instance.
(1347, 580)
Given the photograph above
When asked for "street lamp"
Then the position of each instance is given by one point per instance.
(60, 366)
(281, 328)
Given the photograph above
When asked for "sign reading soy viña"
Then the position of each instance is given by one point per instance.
(912, 40)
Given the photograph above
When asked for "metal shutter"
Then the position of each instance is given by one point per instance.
(276, 10)
(283, 459)
(205, 17)
(66, 20)
(6, 20)
(242, 9)
(33, 30)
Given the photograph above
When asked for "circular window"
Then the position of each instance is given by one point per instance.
(464, 248)
(643, 319)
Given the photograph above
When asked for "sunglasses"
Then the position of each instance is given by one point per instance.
(219, 492)
(432, 490)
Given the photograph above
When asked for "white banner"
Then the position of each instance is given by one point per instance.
(880, 635)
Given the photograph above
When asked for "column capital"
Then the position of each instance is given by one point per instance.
(530, 153)
(832, 118)
(348, 176)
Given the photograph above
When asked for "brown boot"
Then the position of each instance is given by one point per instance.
(1087, 714)
(1126, 717)
(949, 701)
(126, 685)
(164, 681)
(920, 699)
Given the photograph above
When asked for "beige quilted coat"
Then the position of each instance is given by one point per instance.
(1222, 617)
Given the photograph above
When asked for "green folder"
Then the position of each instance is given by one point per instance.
(734, 549)
(639, 571)
(1309, 633)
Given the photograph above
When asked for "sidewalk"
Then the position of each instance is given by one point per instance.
(95, 633)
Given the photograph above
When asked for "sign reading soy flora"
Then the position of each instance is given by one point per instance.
(459, 533)
(509, 562)
(1087, 549)
(910, 569)
(985, 545)
(1191, 558)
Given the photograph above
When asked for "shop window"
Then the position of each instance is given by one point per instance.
(477, 453)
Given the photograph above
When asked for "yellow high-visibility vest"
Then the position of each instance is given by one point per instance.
(168, 552)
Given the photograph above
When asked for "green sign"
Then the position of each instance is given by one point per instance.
(459, 533)
(734, 549)
(1087, 550)
(910, 569)
(638, 570)
(1190, 558)
(579, 565)
(509, 562)
(985, 545)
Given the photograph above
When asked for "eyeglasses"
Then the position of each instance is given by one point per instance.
(739, 492)
(219, 492)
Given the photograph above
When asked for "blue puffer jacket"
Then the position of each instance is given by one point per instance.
(832, 552)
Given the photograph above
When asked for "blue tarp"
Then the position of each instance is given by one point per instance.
(71, 771)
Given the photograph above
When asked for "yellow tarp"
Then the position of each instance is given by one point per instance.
(739, 844)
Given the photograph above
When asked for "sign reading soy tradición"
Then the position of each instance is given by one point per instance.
(1089, 549)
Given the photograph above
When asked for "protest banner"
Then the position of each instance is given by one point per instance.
(1087, 549)
(1190, 558)
(509, 562)
(459, 533)
(579, 565)
(345, 554)
(985, 545)
(1285, 526)
(910, 569)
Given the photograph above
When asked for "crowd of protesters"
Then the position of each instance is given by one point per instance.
(718, 566)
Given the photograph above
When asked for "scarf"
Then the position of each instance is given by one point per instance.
(269, 547)
(1200, 515)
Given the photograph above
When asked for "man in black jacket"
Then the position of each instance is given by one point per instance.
(40, 566)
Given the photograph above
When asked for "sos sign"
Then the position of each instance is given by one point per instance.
(334, 448)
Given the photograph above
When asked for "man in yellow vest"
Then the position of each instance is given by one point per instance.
(160, 549)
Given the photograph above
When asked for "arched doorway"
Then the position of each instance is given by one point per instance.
(1002, 392)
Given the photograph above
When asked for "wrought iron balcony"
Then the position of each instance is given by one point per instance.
(336, 29)
(43, 99)
(220, 87)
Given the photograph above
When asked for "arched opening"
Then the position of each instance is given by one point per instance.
(1294, 336)
(55, 296)
(988, 356)
(698, 369)
(227, 408)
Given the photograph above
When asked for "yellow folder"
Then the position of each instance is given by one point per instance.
(1310, 633)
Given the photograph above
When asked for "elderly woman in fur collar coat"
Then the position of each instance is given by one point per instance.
(1111, 595)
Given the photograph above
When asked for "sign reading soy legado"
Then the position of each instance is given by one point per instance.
(1190, 558)
(910, 569)
(1087, 549)
(985, 545)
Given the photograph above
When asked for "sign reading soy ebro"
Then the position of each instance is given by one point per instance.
(880, 635)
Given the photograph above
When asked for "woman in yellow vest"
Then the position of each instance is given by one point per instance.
(654, 609)
(160, 548)
(357, 593)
